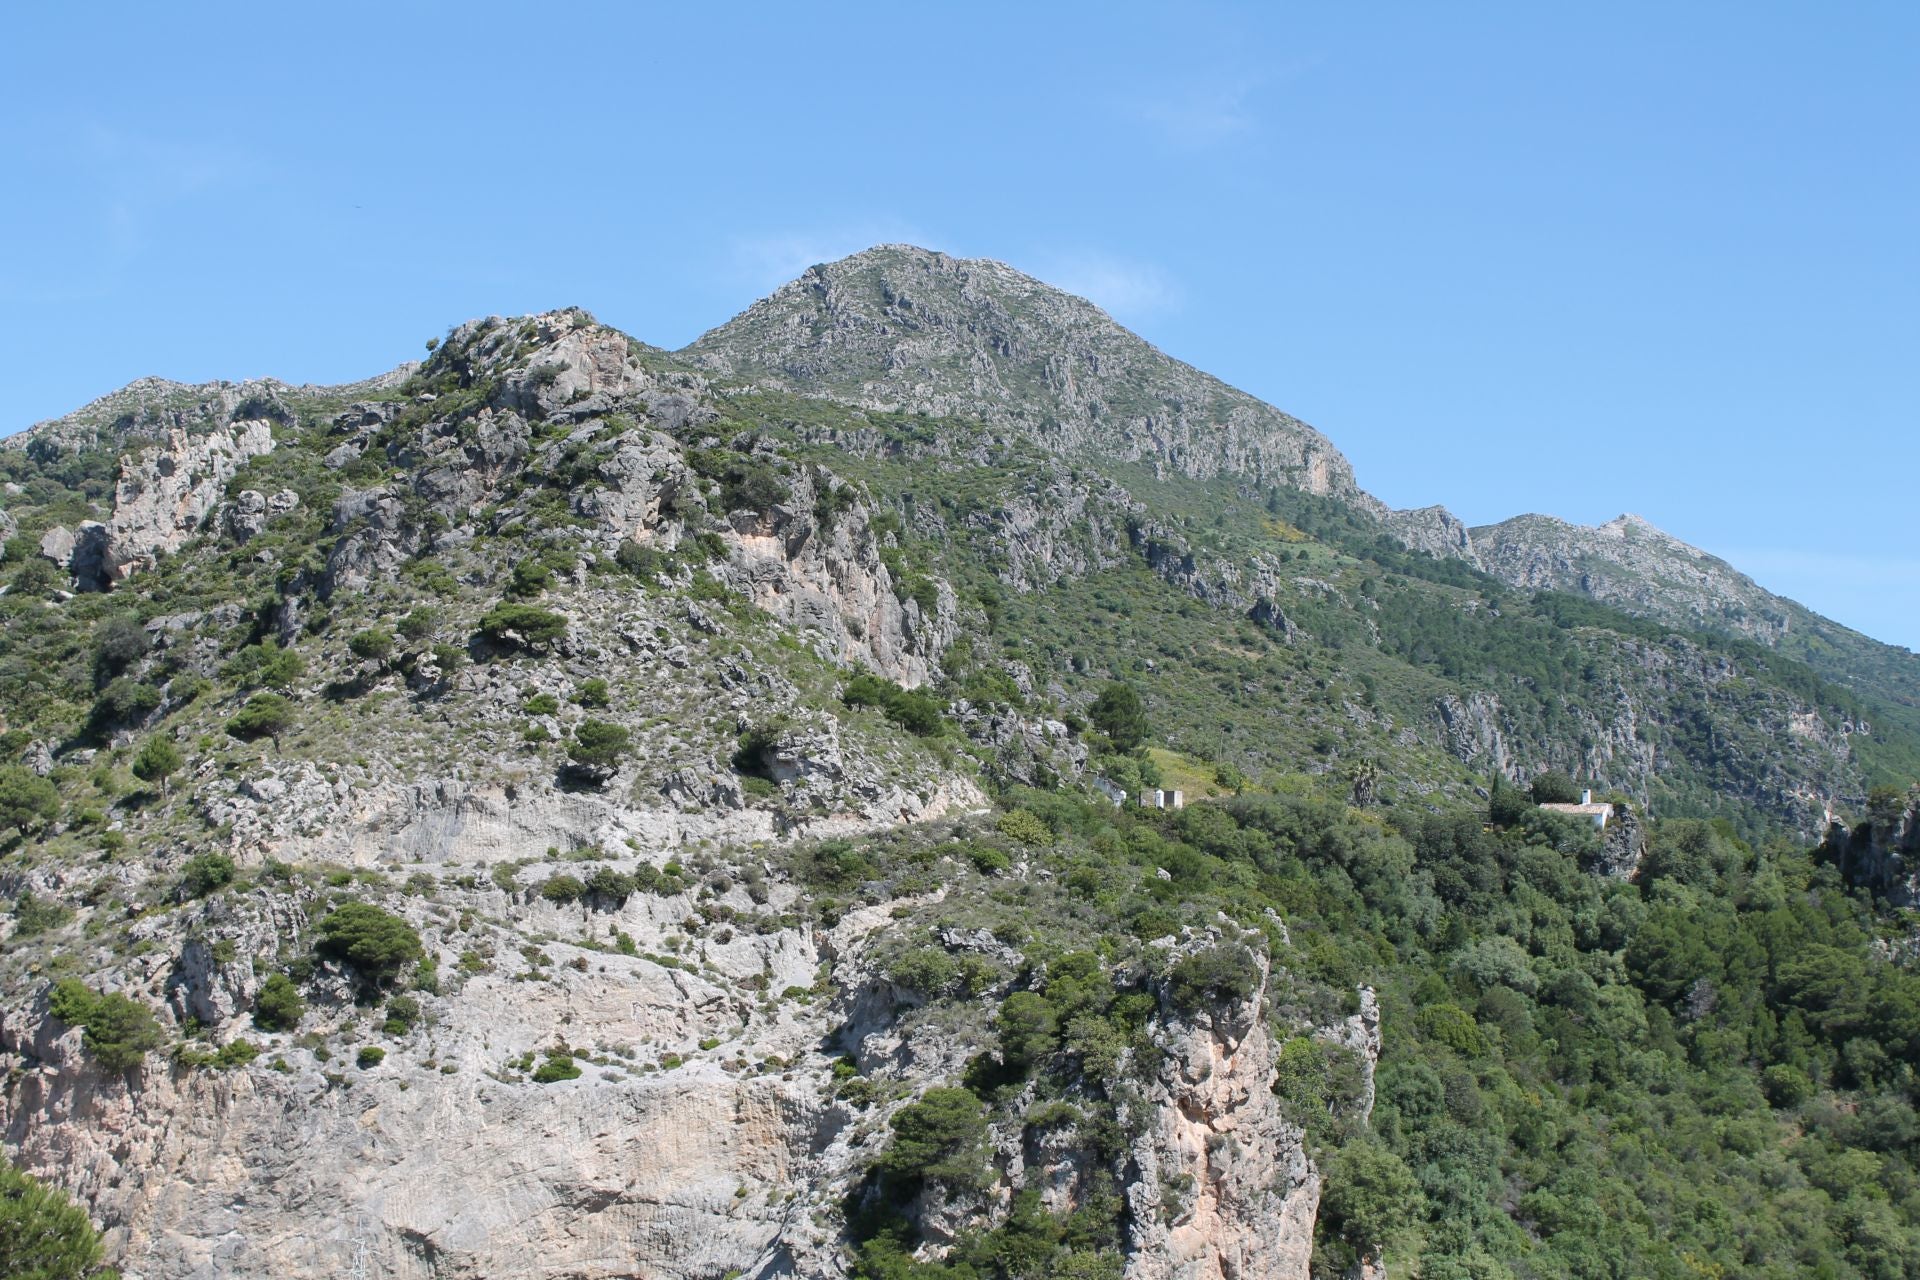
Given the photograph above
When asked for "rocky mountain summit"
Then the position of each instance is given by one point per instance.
(1630, 563)
(916, 786)
(898, 327)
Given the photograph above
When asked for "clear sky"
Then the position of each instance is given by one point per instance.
(1645, 257)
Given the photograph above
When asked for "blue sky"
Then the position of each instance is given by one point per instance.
(1510, 257)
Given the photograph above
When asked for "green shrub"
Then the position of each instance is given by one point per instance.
(32, 915)
(645, 563)
(988, 860)
(1120, 714)
(522, 626)
(1022, 825)
(236, 1053)
(205, 872)
(370, 1055)
(915, 710)
(265, 715)
(939, 1139)
(402, 1013)
(1028, 1030)
(563, 889)
(43, 1235)
(123, 702)
(420, 624)
(26, 800)
(1452, 1026)
(1786, 1085)
(189, 687)
(1370, 1197)
(557, 1067)
(119, 1031)
(157, 761)
(118, 642)
(279, 1006)
(599, 743)
(265, 665)
(541, 704)
(378, 944)
(607, 885)
(1225, 973)
(1554, 787)
(929, 972)
(375, 644)
(530, 578)
(593, 692)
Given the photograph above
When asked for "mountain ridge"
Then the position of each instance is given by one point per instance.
(710, 787)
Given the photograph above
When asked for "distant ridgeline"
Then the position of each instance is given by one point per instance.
(918, 783)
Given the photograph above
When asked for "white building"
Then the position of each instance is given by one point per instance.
(1598, 814)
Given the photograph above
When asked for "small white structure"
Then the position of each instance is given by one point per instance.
(1112, 791)
(1598, 814)
(1159, 799)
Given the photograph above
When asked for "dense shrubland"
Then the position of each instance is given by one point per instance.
(1709, 1071)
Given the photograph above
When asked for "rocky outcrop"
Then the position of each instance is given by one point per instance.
(1882, 851)
(1622, 845)
(1474, 732)
(900, 327)
(827, 579)
(246, 517)
(161, 499)
(1224, 1189)
(1436, 531)
(1629, 563)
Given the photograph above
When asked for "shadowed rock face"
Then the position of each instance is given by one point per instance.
(1882, 852)
(904, 328)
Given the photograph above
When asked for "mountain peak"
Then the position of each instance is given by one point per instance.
(904, 328)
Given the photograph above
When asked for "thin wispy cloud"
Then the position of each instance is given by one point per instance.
(1202, 117)
(110, 186)
(1125, 289)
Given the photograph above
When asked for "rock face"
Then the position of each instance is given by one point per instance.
(1629, 563)
(1622, 846)
(903, 328)
(1225, 1189)
(1436, 531)
(1882, 852)
(163, 496)
(161, 499)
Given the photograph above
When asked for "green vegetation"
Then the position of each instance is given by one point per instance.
(377, 943)
(558, 1066)
(522, 626)
(26, 801)
(1706, 1071)
(159, 759)
(916, 710)
(1120, 714)
(44, 1235)
(120, 1031)
(204, 873)
(279, 1006)
(599, 744)
(265, 715)
(1537, 1022)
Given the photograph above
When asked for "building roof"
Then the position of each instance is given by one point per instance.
(1594, 810)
